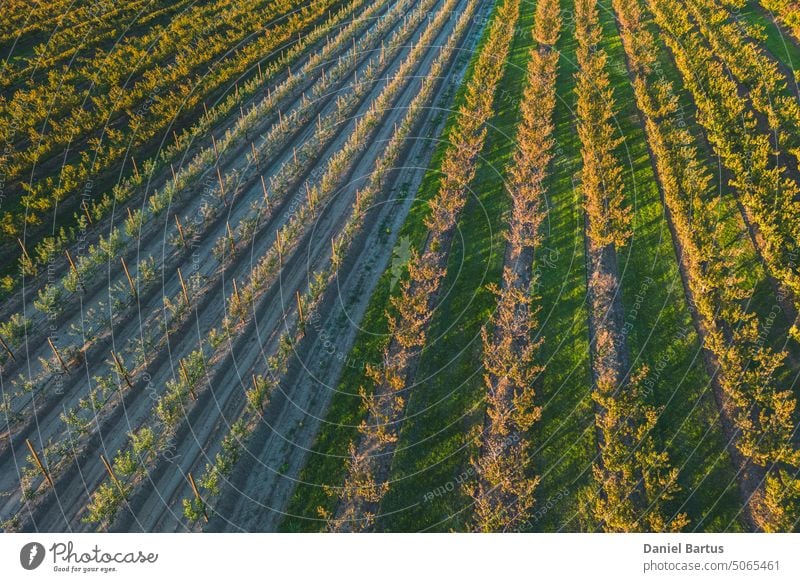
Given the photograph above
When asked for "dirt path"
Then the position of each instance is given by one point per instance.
(75, 495)
(149, 309)
(186, 204)
(353, 277)
(201, 258)
(261, 487)
(110, 176)
(167, 259)
(60, 267)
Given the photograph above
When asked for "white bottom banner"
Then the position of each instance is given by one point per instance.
(399, 557)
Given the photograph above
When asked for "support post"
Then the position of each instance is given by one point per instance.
(180, 231)
(111, 474)
(128, 276)
(39, 464)
(197, 496)
(299, 306)
(183, 286)
(58, 356)
(7, 349)
(266, 195)
(120, 370)
(231, 240)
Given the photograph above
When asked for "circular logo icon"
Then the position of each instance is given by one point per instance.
(31, 555)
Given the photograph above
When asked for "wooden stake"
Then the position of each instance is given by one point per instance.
(214, 143)
(260, 76)
(7, 349)
(266, 195)
(182, 370)
(120, 370)
(312, 198)
(236, 292)
(197, 494)
(39, 464)
(135, 167)
(294, 154)
(205, 109)
(185, 374)
(279, 246)
(111, 474)
(255, 155)
(230, 237)
(256, 390)
(128, 275)
(180, 230)
(221, 187)
(58, 356)
(24, 250)
(183, 286)
(71, 263)
(86, 211)
(299, 305)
